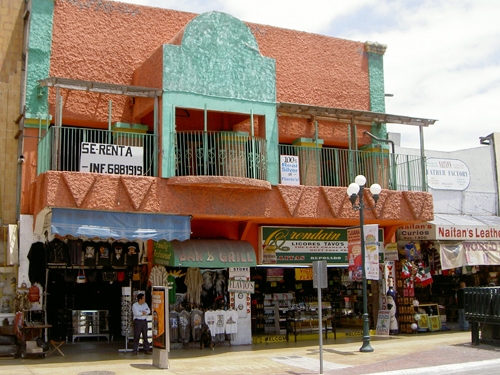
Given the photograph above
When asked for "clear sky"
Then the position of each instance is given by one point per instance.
(442, 60)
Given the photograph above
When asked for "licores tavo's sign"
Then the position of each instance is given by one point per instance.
(111, 159)
(293, 245)
(447, 174)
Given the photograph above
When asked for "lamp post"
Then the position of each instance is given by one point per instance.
(355, 191)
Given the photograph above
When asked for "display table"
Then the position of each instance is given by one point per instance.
(90, 323)
(306, 321)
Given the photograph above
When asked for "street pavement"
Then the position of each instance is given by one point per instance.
(446, 352)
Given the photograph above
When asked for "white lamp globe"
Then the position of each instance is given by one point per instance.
(375, 189)
(360, 180)
(353, 189)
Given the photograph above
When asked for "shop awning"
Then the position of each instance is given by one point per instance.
(454, 228)
(118, 225)
(213, 253)
(463, 240)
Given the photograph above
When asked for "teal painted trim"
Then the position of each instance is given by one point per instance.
(167, 153)
(273, 154)
(39, 49)
(268, 110)
(377, 92)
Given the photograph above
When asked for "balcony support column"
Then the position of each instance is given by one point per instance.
(309, 160)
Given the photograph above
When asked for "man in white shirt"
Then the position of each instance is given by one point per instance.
(141, 310)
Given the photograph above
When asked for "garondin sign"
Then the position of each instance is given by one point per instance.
(296, 245)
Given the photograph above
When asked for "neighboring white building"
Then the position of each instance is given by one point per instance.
(480, 196)
(465, 190)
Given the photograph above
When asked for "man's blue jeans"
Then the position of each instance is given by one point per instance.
(464, 324)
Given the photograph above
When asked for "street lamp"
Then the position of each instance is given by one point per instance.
(355, 191)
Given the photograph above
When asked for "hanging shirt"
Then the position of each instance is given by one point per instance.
(75, 252)
(37, 258)
(104, 254)
(174, 326)
(231, 321)
(172, 298)
(118, 254)
(196, 322)
(132, 254)
(89, 253)
(210, 320)
(193, 281)
(184, 326)
(220, 322)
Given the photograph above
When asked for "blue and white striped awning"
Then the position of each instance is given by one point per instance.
(119, 225)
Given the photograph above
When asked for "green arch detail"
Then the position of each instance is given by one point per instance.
(219, 57)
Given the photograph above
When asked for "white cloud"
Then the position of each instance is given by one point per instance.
(442, 60)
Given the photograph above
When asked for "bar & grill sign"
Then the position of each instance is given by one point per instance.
(111, 159)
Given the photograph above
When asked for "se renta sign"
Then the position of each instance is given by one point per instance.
(111, 159)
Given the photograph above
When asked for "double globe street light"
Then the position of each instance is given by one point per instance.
(355, 191)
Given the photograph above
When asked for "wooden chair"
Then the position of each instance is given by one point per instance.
(56, 345)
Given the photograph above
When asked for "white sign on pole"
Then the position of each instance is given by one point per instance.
(111, 159)
(289, 170)
(371, 251)
(320, 278)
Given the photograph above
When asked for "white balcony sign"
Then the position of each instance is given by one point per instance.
(290, 170)
(447, 174)
(111, 159)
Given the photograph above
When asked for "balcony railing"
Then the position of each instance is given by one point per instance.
(339, 167)
(220, 154)
(60, 147)
(199, 153)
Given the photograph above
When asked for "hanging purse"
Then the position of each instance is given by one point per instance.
(108, 274)
(136, 276)
(81, 278)
(69, 275)
(34, 294)
(120, 276)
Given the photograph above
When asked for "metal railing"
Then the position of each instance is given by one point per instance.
(60, 147)
(482, 303)
(237, 154)
(200, 153)
(339, 167)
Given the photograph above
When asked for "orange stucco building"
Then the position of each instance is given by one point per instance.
(211, 105)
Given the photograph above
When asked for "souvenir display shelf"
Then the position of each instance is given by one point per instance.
(429, 317)
(275, 308)
(90, 323)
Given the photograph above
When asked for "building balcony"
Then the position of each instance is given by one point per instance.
(229, 154)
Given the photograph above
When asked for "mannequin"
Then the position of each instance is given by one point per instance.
(393, 310)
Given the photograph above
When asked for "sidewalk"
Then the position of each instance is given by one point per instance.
(339, 356)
